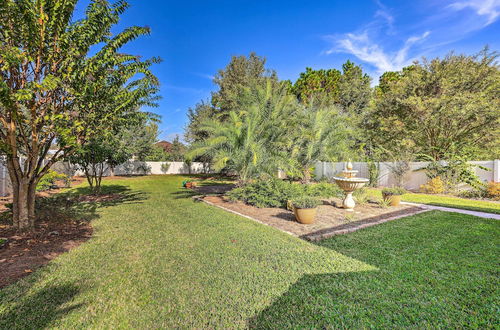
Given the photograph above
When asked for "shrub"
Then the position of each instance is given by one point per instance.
(434, 186)
(267, 193)
(276, 192)
(165, 167)
(323, 190)
(473, 193)
(384, 203)
(493, 190)
(47, 181)
(393, 191)
(306, 202)
(453, 172)
(361, 196)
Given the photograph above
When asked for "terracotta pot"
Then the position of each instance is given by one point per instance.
(305, 216)
(189, 185)
(393, 200)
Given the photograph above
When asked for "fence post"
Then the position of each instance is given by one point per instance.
(496, 170)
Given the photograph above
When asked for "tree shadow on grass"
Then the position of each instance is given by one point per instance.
(39, 309)
(80, 205)
(426, 277)
(317, 301)
(185, 193)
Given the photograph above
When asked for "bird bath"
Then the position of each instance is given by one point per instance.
(349, 183)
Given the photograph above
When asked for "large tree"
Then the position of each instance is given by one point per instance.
(58, 75)
(354, 89)
(441, 106)
(241, 72)
(321, 86)
(253, 140)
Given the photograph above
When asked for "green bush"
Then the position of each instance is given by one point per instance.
(473, 193)
(323, 190)
(267, 193)
(361, 196)
(276, 192)
(47, 181)
(306, 202)
(393, 191)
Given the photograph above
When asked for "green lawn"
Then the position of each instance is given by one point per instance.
(162, 260)
(447, 201)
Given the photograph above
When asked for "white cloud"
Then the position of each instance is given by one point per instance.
(204, 75)
(364, 48)
(384, 13)
(488, 8)
(376, 42)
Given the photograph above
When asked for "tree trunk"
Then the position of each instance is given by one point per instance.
(306, 178)
(23, 209)
(31, 202)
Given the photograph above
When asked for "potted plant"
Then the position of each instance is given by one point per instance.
(393, 195)
(189, 184)
(304, 209)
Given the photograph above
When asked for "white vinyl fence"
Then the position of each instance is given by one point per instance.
(132, 167)
(413, 178)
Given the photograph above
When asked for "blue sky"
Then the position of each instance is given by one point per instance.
(197, 38)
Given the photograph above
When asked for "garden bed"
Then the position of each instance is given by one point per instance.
(24, 253)
(330, 219)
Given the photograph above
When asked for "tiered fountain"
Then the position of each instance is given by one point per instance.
(349, 183)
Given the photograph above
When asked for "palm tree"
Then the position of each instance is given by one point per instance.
(251, 141)
(320, 133)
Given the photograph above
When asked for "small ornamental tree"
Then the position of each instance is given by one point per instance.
(53, 89)
(104, 152)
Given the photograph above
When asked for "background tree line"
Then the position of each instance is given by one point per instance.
(433, 109)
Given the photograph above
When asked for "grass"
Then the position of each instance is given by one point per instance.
(446, 201)
(163, 260)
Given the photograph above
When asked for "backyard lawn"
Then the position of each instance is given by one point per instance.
(159, 259)
(446, 201)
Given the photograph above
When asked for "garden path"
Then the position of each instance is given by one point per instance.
(462, 211)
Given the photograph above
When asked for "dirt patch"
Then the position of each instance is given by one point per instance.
(330, 219)
(24, 253)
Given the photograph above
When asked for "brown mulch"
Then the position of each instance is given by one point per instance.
(330, 220)
(24, 253)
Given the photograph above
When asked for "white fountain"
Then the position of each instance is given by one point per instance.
(349, 183)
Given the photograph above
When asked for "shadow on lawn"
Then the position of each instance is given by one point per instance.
(184, 193)
(319, 301)
(431, 274)
(39, 310)
(79, 204)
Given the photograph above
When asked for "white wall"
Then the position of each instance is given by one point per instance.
(135, 167)
(413, 179)
(132, 167)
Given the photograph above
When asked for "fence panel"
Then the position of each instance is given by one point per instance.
(413, 178)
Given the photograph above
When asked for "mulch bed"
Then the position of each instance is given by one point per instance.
(330, 220)
(24, 253)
